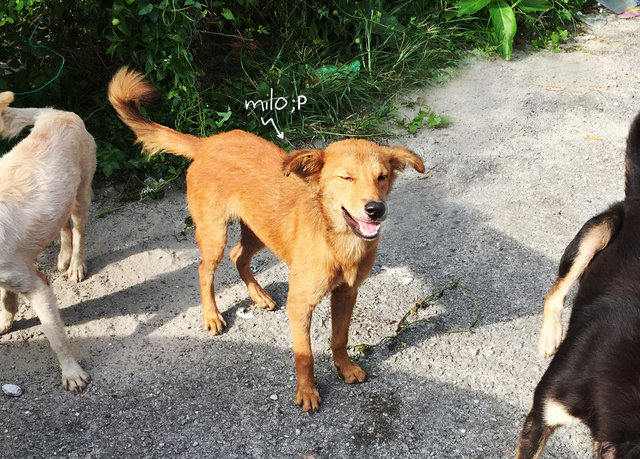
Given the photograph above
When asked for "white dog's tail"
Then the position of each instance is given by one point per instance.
(14, 120)
(127, 91)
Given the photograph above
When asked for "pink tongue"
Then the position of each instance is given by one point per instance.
(368, 228)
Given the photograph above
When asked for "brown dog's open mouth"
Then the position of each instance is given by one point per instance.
(366, 230)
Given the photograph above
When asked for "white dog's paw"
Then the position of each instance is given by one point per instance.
(6, 321)
(63, 262)
(550, 338)
(64, 258)
(77, 271)
(75, 381)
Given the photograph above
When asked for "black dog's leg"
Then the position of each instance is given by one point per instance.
(534, 435)
(592, 238)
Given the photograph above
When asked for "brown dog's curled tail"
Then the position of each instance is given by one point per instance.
(127, 91)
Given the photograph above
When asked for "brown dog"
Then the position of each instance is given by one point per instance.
(318, 210)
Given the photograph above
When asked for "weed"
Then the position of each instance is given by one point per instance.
(403, 325)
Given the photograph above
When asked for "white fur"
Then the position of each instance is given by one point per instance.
(45, 181)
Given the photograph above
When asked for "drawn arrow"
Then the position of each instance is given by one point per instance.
(264, 123)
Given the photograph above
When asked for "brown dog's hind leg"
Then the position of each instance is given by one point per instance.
(343, 299)
(212, 240)
(592, 238)
(241, 256)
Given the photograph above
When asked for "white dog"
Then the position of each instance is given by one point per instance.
(45, 181)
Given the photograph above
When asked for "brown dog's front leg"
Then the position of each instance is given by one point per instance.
(343, 299)
(299, 313)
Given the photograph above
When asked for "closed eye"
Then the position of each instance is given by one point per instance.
(347, 178)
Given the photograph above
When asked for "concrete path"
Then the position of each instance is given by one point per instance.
(535, 148)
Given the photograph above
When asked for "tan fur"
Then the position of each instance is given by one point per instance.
(45, 181)
(291, 203)
(551, 333)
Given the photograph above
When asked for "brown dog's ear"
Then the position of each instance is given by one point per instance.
(303, 163)
(401, 156)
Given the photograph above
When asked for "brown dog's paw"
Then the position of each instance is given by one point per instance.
(214, 324)
(261, 298)
(351, 373)
(307, 398)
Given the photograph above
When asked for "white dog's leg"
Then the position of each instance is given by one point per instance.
(64, 257)
(77, 267)
(74, 378)
(8, 310)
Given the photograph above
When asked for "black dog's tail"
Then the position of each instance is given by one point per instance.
(632, 173)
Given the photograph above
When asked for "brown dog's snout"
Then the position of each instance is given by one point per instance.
(375, 209)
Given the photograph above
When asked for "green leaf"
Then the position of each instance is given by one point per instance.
(227, 14)
(145, 9)
(504, 26)
(471, 6)
(224, 116)
(434, 120)
(534, 5)
(415, 123)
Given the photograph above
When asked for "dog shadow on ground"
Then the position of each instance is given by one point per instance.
(142, 369)
(199, 396)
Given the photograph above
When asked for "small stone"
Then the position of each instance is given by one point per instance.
(12, 390)
(298, 431)
(244, 313)
(195, 443)
(273, 397)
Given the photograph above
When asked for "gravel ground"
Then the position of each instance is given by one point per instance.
(535, 148)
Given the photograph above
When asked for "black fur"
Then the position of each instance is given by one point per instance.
(632, 163)
(595, 374)
(612, 217)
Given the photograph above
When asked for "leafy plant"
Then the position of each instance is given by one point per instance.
(551, 39)
(503, 17)
(433, 120)
(349, 59)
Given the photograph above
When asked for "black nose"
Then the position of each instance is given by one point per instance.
(375, 209)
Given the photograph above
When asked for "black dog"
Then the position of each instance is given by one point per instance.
(595, 375)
